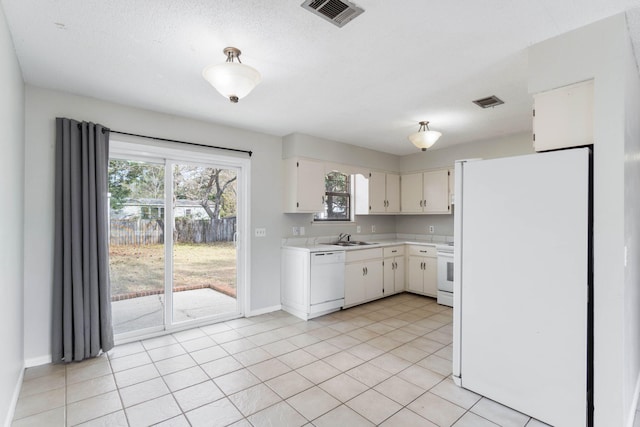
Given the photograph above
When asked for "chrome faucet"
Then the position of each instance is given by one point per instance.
(344, 236)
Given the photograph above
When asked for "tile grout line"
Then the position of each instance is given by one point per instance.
(280, 325)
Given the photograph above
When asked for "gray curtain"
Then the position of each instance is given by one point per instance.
(82, 291)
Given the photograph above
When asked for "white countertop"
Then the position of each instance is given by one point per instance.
(321, 245)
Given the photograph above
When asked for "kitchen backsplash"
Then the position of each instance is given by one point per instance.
(383, 224)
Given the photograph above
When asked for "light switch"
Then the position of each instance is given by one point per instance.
(261, 232)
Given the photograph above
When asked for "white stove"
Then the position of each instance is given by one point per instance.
(445, 274)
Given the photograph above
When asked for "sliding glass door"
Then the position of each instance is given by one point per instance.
(204, 252)
(176, 227)
(136, 244)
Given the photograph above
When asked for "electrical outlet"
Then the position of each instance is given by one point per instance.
(261, 232)
(295, 231)
(373, 228)
(432, 229)
(358, 229)
(302, 231)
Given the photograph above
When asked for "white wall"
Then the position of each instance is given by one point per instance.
(11, 223)
(300, 145)
(631, 297)
(43, 106)
(509, 145)
(602, 51)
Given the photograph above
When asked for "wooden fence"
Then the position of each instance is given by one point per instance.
(186, 230)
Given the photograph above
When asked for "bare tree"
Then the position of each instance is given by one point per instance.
(214, 185)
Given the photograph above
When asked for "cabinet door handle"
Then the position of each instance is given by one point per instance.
(363, 271)
(424, 203)
(420, 203)
(366, 270)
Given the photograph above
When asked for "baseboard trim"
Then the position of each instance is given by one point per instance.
(14, 398)
(634, 404)
(264, 310)
(37, 361)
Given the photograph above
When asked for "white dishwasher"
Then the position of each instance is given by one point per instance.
(327, 281)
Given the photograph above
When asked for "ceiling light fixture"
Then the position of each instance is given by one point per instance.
(233, 80)
(424, 138)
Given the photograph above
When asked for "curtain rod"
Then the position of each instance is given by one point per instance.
(179, 142)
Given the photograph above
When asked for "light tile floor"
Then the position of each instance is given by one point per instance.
(384, 363)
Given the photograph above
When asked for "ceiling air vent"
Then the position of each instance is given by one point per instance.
(337, 12)
(489, 101)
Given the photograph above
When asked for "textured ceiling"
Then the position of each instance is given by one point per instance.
(367, 84)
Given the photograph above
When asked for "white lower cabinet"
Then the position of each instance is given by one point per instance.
(422, 270)
(393, 267)
(363, 278)
(295, 281)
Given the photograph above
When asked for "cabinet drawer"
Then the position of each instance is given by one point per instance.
(364, 254)
(429, 251)
(393, 251)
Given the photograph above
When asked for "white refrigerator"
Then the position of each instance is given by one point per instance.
(523, 274)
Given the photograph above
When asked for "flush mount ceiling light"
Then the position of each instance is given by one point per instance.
(424, 138)
(233, 80)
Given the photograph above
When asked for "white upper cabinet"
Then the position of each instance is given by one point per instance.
(563, 117)
(426, 192)
(303, 186)
(393, 193)
(411, 194)
(379, 193)
(436, 192)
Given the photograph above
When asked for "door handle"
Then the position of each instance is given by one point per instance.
(363, 271)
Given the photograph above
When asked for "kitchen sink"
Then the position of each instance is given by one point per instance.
(353, 243)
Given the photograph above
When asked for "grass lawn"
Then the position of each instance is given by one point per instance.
(141, 268)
